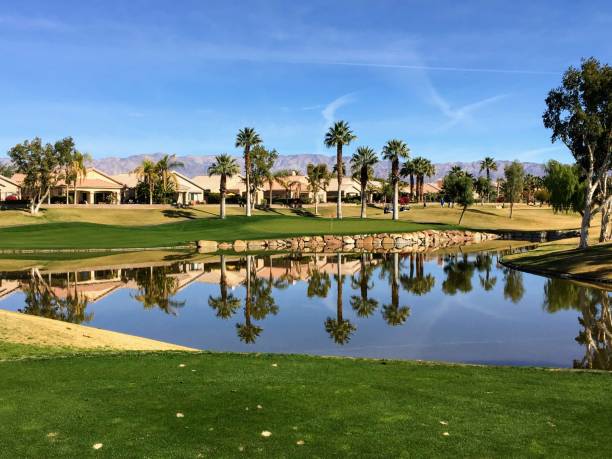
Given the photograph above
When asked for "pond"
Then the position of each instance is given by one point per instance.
(446, 306)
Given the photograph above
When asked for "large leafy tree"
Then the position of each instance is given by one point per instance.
(224, 166)
(362, 167)
(43, 165)
(338, 135)
(146, 173)
(318, 177)
(262, 165)
(579, 113)
(7, 170)
(394, 150)
(514, 183)
(488, 164)
(246, 139)
(566, 190)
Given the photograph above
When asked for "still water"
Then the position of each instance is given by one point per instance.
(432, 306)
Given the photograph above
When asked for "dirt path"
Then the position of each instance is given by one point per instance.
(26, 329)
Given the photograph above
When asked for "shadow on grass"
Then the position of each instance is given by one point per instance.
(173, 213)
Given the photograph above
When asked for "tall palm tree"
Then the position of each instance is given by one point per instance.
(338, 135)
(225, 166)
(407, 170)
(147, 172)
(76, 171)
(318, 178)
(225, 304)
(429, 170)
(247, 138)
(488, 164)
(393, 151)
(362, 167)
(422, 167)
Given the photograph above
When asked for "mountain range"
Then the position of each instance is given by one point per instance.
(198, 165)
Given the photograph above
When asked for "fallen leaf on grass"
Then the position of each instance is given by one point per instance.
(97, 446)
(180, 415)
(444, 423)
(446, 434)
(266, 433)
(299, 442)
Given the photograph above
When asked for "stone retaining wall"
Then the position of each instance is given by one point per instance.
(366, 242)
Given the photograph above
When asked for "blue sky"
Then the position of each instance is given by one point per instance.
(455, 80)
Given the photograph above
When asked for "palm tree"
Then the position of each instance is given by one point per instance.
(408, 171)
(76, 171)
(339, 329)
(429, 170)
(338, 135)
(283, 177)
(247, 138)
(225, 304)
(393, 151)
(147, 172)
(422, 167)
(362, 167)
(318, 178)
(225, 166)
(488, 164)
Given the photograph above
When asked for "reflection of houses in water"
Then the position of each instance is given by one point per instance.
(94, 285)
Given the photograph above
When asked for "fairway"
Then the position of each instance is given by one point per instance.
(218, 405)
(73, 235)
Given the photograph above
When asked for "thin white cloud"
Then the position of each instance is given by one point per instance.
(329, 112)
(22, 22)
(464, 113)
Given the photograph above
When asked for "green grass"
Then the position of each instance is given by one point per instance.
(76, 235)
(562, 257)
(60, 407)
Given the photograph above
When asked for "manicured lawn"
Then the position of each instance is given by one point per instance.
(563, 257)
(61, 407)
(90, 235)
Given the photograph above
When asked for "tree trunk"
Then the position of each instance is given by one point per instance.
(271, 183)
(511, 207)
(586, 216)
(412, 187)
(316, 203)
(339, 295)
(363, 201)
(247, 172)
(395, 200)
(75, 194)
(462, 212)
(35, 207)
(605, 233)
(222, 192)
(340, 173)
(150, 193)
(67, 193)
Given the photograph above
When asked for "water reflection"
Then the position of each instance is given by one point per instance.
(447, 306)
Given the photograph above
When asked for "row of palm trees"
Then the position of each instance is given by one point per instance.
(158, 173)
(362, 168)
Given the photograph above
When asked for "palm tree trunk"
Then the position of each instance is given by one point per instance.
(316, 202)
(462, 212)
(363, 200)
(395, 199)
(339, 177)
(247, 168)
(411, 186)
(339, 295)
(75, 194)
(271, 183)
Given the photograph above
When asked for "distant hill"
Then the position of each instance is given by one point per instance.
(198, 165)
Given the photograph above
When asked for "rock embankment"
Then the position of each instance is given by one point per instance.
(366, 242)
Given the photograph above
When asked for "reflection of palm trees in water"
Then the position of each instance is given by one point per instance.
(596, 319)
(417, 281)
(41, 300)
(319, 283)
(484, 263)
(156, 288)
(459, 272)
(339, 329)
(259, 302)
(393, 313)
(226, 304)
(513, 285)
(363, 305)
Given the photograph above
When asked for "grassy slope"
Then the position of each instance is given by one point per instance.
(488, 216)
(563, 257)
(338, 407)
(90, 235)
